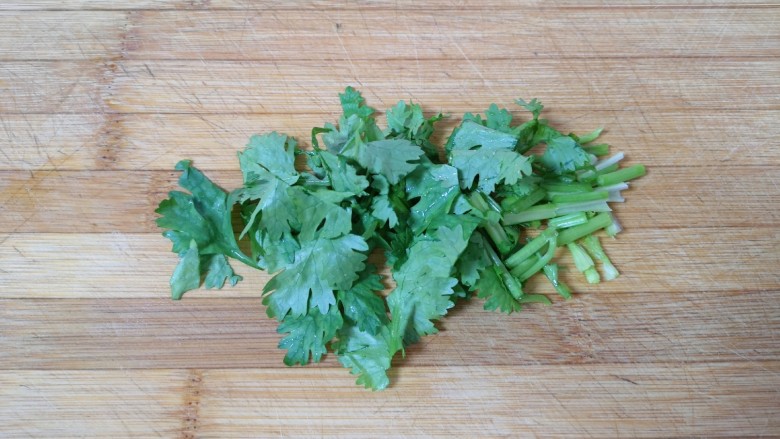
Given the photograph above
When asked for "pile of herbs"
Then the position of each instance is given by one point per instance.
(480, 219)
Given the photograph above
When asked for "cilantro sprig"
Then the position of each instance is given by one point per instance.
(481, 222)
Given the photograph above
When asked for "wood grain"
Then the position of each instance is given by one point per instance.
(374, 5)
(232, 35)
(98, 100)
(454, 86)
(598, 327)
(88, 201)
(547, 401)
(107, 265)
(80, 142)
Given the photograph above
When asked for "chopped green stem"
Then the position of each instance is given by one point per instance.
(551, 272)
(494, 230)
(493, 204)
(597, 150)
(535, 298)
(584, 263)
(608, 169)
(614, 227)
(612, 161)
(554, 186)
(585, 206)
(551, 210)
(532, 198)
(544, 260)
(511, 283)
(588, 176)
(532, 247)
(499, 237)
(566, 221)
(578, 197)
(525, 265)
(612, 187)
(593, 246)
(574, 233)
(591, 136)
(478, 202)
(538, 212)
(615, 197)
(622, 175)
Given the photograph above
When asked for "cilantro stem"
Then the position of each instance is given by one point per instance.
(584, 263)
(531, 199)
(539, 264)
(607, 169)
(572, 234)
(614, 228)
(612, 161)
(535, 298)
(531, 247)
(525, 265)
(566, 221)
(597, 150)
(551, 210)
(613, 187)
(580, 197)
(591, 136)
(511, 283)
(494, 230)
(593, 246)
(622, 175)
(554, 186)
(551, 272)
(538, 212)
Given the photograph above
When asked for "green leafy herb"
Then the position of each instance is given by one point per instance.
(479, 223)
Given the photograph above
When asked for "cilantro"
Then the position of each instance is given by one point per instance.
(478, 221)
(320, 267)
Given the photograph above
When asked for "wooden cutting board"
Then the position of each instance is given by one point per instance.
(99, 99)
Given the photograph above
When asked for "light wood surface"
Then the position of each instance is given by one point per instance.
(99, 99)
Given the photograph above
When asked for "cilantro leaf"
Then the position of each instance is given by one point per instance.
(436, 186)
(488, 154)
(381, 206)
(192, 267)
(491, 166)
(473, 260)
(203, 216)
(404, 119)
(274, 202)
(218, 271)
(491, 287)
(308, 335)
(318, 269)
(352, 103)
(268, 166)
(408, 122)
(391, 158)
(186, 276)
(470, 134)
(534, 106)
(424, 283)
(362, 306)
(564, 155)
(267, 155)
(500, 120)
(323, 216)
(367, 355)
(200, 224)
(343, 176)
